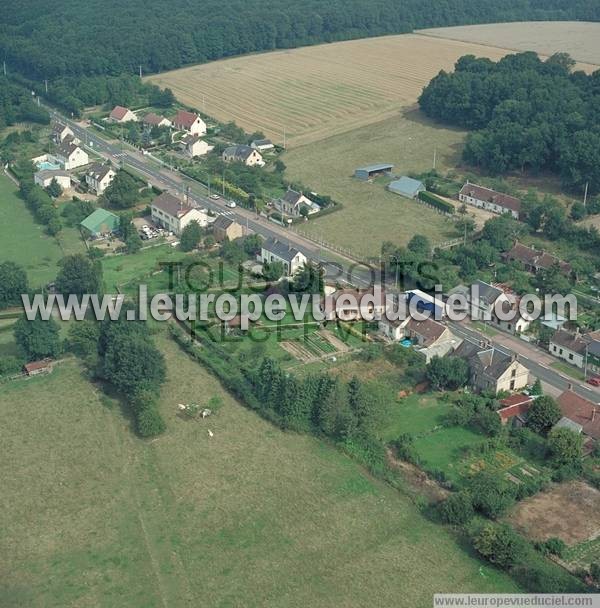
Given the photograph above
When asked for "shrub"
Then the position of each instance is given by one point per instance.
(457, 509)
(149, 422)
(437, 202)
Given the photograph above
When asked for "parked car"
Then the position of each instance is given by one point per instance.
(231, 204)
(215, 197)
(594, 380)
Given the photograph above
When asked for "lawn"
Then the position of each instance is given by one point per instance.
(24, 241)
(569, 370)
(371, 214)
(253, 516)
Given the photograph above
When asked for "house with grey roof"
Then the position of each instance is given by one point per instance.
(292, 259)
(483, 300)
(45, 177)
(262, 144)
(243, 154)
(292, 203)
(407, 187)
(98, 177)
(172, 213)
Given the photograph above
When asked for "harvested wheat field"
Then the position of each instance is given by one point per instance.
(580, 39)
(319, 91)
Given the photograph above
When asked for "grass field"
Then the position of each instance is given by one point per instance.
(371, 214)
(315, 92)
(93, 516)
(580, 39)
(24, 241)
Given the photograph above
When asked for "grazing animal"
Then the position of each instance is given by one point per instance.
(210, 433)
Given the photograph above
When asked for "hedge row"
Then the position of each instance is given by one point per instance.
(437, 202)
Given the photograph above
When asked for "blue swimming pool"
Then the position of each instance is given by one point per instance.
(47, 166)
(406, 342)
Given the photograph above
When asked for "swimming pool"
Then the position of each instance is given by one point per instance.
(406, 342)
(47, 166)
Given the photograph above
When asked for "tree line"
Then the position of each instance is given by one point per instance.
(524, 114)
(74, 39)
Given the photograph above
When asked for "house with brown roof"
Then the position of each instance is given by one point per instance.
(570, 347)
(534, 260)
(490, 200)
(154, 120)
(226, 228)
(38, 367)
(121, 115)
(581, 411)
(174, 214)
(60, 132)
(189, 122)
(515, 408)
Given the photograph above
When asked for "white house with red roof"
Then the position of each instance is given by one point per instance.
(490, 200)
(121, 115)
(189, 122)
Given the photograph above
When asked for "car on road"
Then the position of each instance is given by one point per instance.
(230, 204)
(215, 197)
(594, 380)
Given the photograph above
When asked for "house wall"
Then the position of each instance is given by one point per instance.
(568, 355)
(493, 207)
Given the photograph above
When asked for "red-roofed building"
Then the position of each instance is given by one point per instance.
(121, 114)
(38, 367)
(485, 198)
(515, 406)
(581, 411)
(189, 122)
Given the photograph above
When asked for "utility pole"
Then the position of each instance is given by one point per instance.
(223, 181)
(46, 85)
(4, 67)
(209, 185)
(284, 138)
(585, 193)
(140, 72)
(434, 157)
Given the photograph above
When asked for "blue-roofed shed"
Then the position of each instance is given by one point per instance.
(407, 186)
(371, 171)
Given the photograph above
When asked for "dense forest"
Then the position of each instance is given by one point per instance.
(18, 105)
(525, 114)
(47, 40)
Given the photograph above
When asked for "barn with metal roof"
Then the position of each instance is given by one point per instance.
(371, 171)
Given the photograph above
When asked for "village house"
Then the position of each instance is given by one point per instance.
(515, 408)
(173, 214)
(570, 347)
(193, 145)
(583, 414)
(243, 154)
(226, 228)
(534, 260)
(273, 250)
(189, 122)
(484, 299)
(98, 177)
(154, 120)
(45, 177)
(121, 115)
(491, 370)
(70, 156)
(292, 203)
(60, 132)
(490, 200)
(353, 304)
(262, 144)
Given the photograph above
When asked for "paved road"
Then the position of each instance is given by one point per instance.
(539, 370)
(337, 268)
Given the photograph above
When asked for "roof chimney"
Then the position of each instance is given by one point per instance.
(570, 386)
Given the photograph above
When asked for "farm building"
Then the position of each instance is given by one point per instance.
(45, 177)
(101, 222)
(226, 228)
(535, 260)
(262, 144)
(371, 171)
(485, 198)
(407, 187)
(38, 367)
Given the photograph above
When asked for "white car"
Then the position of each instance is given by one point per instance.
(215, 197)
(231, 205)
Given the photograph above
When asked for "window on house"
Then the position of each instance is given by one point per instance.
(560, 352)
(570, 356)
(512, 385)
(513, 373)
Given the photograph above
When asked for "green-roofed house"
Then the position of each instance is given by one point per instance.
(406, 186)
(100, 222)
